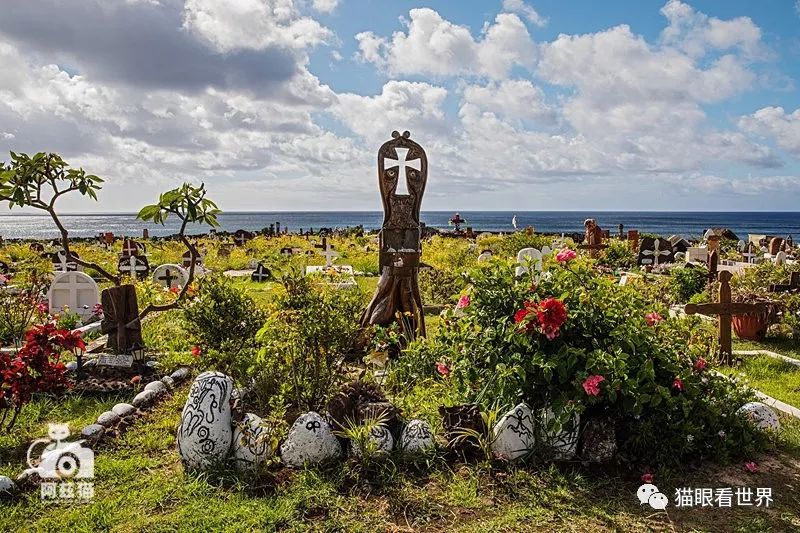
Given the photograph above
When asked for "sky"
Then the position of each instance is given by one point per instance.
(520, 105)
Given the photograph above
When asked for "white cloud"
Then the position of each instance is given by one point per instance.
(526, 10)
(325, 6)
(252, 24)
(697, 33)
(776, 123)
(512, 100)
(435, 46)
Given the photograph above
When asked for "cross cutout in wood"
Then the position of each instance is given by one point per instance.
(793, 286)
(329, 254)
(724, 309)
(402, 164)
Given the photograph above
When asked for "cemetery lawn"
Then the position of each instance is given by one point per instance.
(772, 376)
(140, 486)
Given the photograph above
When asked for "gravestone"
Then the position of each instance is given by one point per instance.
(402, 163)
(115, 360)
(241, 237)
(793, 286)
(205, 432)
(131, 247)
(655, 251)
(251, 443)
(120, 310)
(633, 239)
(225, 250)
(528, 258)
(170, 276)
(696, 254)
(486, 255)
(186, 260)
(780, 258)
(73, 289)
(775, 246)
(416, 437)
(4, 268)
(761, 415)
(261, 274)
(36, 247)
(749, 253)
(593, 240)
(327, 252)
(135, 266)
(679, 244)
(286, 251)
(145, 234)
(63, 264)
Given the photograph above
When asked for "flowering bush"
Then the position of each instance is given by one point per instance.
(36, 368)
(575, 341)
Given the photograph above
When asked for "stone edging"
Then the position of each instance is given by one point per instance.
(108, 425)
(776, 355)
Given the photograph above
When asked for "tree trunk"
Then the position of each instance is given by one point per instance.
(120, 314)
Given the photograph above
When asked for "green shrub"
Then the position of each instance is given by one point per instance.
(310, 331)
(645, 368)
(440, 286)
(618, 255)
(223, 320)
(686, 282)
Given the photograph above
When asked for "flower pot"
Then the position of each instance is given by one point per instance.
(751, 327)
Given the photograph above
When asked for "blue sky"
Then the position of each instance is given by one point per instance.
(282, 104)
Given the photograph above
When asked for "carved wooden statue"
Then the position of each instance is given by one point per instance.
(401, 162)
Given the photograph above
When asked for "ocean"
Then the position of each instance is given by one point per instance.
(687, 224)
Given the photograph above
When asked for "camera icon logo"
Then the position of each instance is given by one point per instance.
(61, 460)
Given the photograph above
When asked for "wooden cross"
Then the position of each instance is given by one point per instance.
(657, 252)
(724, 309)
(793, 286)
(130, 247)
(749, 253)
(329, 254)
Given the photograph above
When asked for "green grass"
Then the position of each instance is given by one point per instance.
(782, 345)
(772, 376)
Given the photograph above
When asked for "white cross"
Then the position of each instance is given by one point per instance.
(240, 239)
(75, 289)
(130, 248)
(749, 254)
(329, 255)
(656, 253)
(261, 273)
(133, 265)
(402, 164)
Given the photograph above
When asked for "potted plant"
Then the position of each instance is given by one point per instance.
(753, 326)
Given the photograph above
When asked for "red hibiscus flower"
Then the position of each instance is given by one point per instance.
(463, 301)
(551, 314)
(653, 318)
(197, 351)
(647, 477)
(751, 467)
(592, 385)
(443, 369)
(700, 364)
(677, 384)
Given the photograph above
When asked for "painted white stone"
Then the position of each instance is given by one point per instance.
(528, 258)
(563, 444)
(380, 440)
(168, 381)
(485, 256)
(124, 409)
(205, 433)
(515, 433)
(417, 436)
(177, 276)
(250, 443)
(761, 415)
(7, 486)
(107, 419)
(73, 289)
(310, 440)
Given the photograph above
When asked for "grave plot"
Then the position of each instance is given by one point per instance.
(339, 276)
(74, 291)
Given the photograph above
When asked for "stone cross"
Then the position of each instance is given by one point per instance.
(658, 251)
(329, 254)
(724, 309)
(793, 286)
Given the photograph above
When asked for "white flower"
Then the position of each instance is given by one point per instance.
(721, 433)
(689, 438)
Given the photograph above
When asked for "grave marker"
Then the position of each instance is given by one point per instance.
(655, 252)
(400, 236)
(724, 309)
(186, 260)
(261, 274)
(241, 237)
(73, 289)
(328, 253)
(528, 258)
(170, 276)
(115, 360)
(793, 286)
(62, 264)
(594, 237)
(134, 266)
